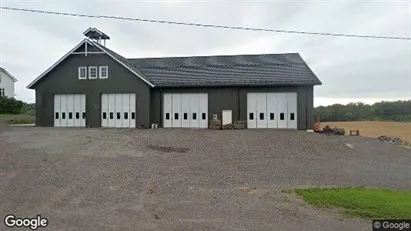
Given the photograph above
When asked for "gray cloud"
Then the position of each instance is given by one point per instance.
(348, 67)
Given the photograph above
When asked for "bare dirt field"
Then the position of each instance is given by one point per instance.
(374, 129)
(176, 179)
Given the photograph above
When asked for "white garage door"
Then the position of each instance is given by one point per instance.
(118, 110)
(70, 110)
(272, 110)
(185, 110)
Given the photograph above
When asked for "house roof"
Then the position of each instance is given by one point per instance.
(227, 70)
(12, 77)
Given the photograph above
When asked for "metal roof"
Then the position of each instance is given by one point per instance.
(224, 70)
(227, 70)
(125, 62)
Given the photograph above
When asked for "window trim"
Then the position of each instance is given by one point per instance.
(100, 68)
(89, 72)
(79, 72)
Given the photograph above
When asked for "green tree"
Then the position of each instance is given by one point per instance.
(394, 111)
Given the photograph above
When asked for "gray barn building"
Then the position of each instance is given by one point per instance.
(93, 86)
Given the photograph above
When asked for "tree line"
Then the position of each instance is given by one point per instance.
(381, 111)
(15, 106)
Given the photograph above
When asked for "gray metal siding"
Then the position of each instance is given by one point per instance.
(235, 99)
(63, 79)
(310, 107)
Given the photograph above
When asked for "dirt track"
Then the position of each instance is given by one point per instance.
(107, 179)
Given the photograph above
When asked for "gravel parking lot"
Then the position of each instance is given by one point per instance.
(176, 179)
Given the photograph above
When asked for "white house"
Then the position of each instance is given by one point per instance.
(6, 83)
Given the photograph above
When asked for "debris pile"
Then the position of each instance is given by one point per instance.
(389, 139)
(327, 129)
(239, 124)
(228, 126)
(332, 131)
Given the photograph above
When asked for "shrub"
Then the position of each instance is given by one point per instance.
(10, 105)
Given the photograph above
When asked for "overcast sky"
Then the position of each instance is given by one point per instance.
(351, 69)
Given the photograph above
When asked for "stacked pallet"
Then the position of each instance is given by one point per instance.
(215, 124)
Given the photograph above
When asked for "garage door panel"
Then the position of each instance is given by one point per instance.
(167, 118)
(68, 110)
(176, 108)
(83, 110)
(125, 110)
(292, 110)
(57, 111)
(203, 103)
(272, 114)
(111, 110)
(194, 111)
(104, 110)
(282, 110)
(185, 110)
(272, 110)
(77, 111)
(63, 107)
(261, 110)
(133, 110)
(251, 110)
(118, 110)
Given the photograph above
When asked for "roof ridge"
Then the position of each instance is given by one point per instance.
(209, 56)
(216, 65)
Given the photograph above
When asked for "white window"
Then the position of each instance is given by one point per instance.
(2, 92)
(103, 72)
(92, 72)
(82, 73)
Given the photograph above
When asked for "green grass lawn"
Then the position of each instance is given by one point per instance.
(21, 121)
(361, 202)
(18, 118)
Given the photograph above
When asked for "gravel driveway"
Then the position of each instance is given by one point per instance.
(176, 179)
